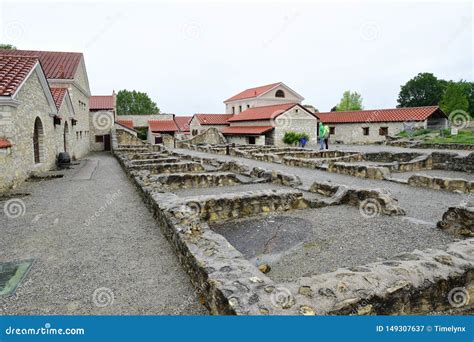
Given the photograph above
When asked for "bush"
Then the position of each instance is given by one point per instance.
(292, 138)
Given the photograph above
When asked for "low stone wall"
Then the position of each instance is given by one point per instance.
(155, 168)
(458, 221)
(209, 136)
(371, 202)
(438, 183)
(226, 207)
(157, 160)
(388, 157)
(453, 162)
(276, 177)
(196, 180)
(448, 146)
(125, 138)
(411, 283)
(364, 171)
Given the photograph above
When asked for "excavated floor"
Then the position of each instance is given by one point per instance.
(311, 241)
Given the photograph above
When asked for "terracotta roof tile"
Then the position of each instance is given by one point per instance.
(126, 122)
(379, 115)
(101, 102)
(262, 113)
(58, 96)
(213, 119)
(56, 65)
(5, 143)
(13, 71)
(162, 126)
(246, 130)
(183, 122)
(252, 92)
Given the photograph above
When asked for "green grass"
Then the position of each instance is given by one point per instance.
(463, 137)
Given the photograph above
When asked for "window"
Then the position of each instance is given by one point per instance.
(240, 109)
(99, 138)
(77, 135)
(80, 134)
(195, 131)
(38, 141)
(383, 131)
(233, 110)
(365, 130)
(280, 93)
(248, 106)
(252, 140)
(332, 130)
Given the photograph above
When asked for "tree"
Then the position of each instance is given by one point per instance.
(349, 101)
(422, 90)
(454, 98)
(469, 91)
(135, 103)
(7, 46)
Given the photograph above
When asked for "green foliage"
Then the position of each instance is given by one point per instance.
(7, 46)
(454, 98)
(463, 137)
(292, 138)
(142, 132)
(422, 90)
(135, 103)
(349, 101)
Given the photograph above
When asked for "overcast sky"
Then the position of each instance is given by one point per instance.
(191, 56)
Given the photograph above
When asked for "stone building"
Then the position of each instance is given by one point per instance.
(162, 132)
(267, 95)
(266, 125)
(29, 120)
(102, 117)
(65, 120)
(370, 126)
(67, 70)
(201, 122)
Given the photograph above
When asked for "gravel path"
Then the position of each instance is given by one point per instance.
(420, 203)
(116, 252)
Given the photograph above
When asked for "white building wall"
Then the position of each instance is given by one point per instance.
(296, 120)
(352, 133)
(266, 99)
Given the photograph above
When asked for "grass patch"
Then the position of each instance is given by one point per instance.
(463, 137)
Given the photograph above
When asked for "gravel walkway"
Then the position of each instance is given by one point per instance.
(422, 204)
(97, 249)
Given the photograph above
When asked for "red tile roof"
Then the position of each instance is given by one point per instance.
(247, 130)
(58, 96)
(13, 71)
(163, 126)
(183, 122)
(379, 115)
(262, 113)
(56, 65)
(213, 119)
(101, 102)
(126, 122)
(252, 92)
(5, 143)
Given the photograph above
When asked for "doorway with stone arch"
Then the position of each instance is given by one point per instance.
(38, 141)
(66, 137)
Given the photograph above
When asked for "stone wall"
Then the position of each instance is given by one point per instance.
(438, 183)
(458, 221)
(209, 136)
(364, 171)
(196, 180)
(453, 161)
(17, 125)
(125, 138)
(156, 168)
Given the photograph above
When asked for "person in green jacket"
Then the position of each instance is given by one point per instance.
(323, 136)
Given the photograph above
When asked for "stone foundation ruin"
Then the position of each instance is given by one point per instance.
(188, 195)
